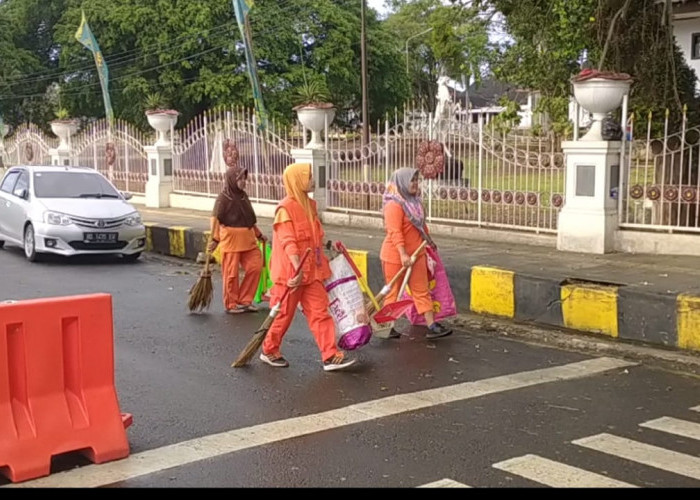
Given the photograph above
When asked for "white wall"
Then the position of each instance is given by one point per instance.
(683, 30)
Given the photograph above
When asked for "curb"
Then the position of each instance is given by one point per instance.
(613, 311)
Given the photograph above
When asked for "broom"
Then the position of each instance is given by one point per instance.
(370, 307)
(259, 336)
(202, 291)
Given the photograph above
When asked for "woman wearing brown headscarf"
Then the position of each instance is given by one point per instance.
(235, 232)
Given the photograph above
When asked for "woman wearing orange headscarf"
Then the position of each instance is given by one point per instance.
(295, 229)
(235, 232)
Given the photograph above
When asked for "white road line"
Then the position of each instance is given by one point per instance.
(660, 458)
(216, 445)
(695, 408)
(674, 426)
(444, 483)
(556, 474)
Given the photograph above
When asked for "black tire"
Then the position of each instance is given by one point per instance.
(132, 257)
(29, 243)
(2, 243)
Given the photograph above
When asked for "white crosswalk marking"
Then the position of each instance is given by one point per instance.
(556, 474)
(660, 458)
(674, 426)
(444, 483)
(216, 445)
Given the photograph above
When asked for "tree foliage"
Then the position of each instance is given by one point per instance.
(553, 40)
(457, 45)
(190, 51)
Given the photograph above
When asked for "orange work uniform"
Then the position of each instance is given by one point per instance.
(292, 234)
(401, 232)
(239, 249)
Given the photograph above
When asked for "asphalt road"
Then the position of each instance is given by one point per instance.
(477, 409)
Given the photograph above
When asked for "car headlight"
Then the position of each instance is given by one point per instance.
(56, 218)
(133, 219)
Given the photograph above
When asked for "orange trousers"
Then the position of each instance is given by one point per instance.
(417, 282)
(314, 303)
(237, 291)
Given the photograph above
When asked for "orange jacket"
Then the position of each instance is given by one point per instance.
(399, 232)
(293, 237)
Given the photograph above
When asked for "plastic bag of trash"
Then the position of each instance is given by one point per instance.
(347, 305)
(444, 305)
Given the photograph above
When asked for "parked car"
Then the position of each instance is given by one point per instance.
(67, 211)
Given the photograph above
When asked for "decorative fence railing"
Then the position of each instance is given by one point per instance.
(200, 148)
(119, 154)
(490, 179)
(28, 145)
(662, 188)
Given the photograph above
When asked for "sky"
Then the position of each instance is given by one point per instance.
(377, 5)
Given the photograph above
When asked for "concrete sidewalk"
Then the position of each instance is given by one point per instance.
(652, 299)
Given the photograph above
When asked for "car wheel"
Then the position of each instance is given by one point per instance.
(133, 257)
(2, 243)
(29, 243)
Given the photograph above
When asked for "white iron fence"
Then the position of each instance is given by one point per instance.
(490, 178)
(662, 187)
(119, 154)
(29, 146)
(201, 151)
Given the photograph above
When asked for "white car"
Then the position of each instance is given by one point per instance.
(67, 211)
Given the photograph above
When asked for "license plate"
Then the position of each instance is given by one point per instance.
(100, 237)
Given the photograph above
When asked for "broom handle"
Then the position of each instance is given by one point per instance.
(387, 288)
(276, 308)
(207, 258)
(406, 277)
(357, 272)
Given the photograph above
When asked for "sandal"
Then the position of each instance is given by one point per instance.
(251, 308)
(237, 310)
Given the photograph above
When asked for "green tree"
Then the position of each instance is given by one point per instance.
(457, 45)
(552, 41)
(28, 55)
(190, 52)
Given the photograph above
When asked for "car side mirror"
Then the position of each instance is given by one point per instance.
(127, 196)
(22, 193)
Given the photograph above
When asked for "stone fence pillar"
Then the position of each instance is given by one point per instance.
(317, 159)
(160, 159)
(589, 219)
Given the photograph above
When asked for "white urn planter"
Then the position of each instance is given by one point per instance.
(162, 122)
(599, 96)
(64, 129)
(315, 118)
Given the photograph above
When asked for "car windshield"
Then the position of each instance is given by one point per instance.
(72, 185)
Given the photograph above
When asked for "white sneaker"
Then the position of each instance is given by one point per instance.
(338, 362)
(278, 362)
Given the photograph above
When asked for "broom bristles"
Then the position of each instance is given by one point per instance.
(201, 294)
(253, 345)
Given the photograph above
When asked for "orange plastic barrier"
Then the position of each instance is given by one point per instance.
(57, 392)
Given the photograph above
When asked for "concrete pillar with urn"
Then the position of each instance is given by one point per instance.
(589, 218)
(160, 159)
(316, 119)
(64, 130)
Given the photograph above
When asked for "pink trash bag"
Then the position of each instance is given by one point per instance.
(444, 305)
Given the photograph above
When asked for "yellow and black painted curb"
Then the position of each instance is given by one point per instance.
(608, 309)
